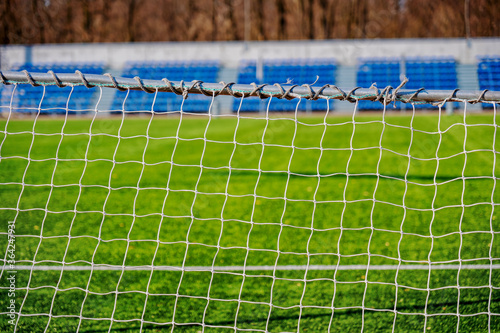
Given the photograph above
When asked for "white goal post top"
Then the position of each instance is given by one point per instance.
(387, 94)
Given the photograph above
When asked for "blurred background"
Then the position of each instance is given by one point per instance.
(103, 21)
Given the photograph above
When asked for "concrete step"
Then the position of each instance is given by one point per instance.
(467, 80)
(224, 104)
(107, 93)
(467, 77)
(345, 79)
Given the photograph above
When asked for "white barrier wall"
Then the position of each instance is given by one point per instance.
(114, 55)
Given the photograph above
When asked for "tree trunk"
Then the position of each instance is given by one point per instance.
(130, 21)
(281, 21)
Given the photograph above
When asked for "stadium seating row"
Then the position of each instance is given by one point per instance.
(206, 71)
(287, 71)
(428, 72)
(488, 72)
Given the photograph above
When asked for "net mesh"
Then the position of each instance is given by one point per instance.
(247, 221)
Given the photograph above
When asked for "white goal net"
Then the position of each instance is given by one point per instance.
(117, 219)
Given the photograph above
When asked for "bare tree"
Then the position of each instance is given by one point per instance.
(77, 21)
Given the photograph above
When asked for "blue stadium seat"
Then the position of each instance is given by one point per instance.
(295, 71)
(382, 71)
(174, 71)
(427, 72)
(488, 74)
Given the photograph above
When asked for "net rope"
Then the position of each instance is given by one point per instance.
(248, 222)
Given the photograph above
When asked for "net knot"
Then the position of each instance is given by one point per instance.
(84, 80)
(377, 91)
(3, 79)
(56, 79)
(30, 79)
(170, 86)
(394, 94)
(141, 85)
(198, 84)
(409, 99)
(348, 97)
(285, 93)
(311, 91)
(257, 90)
(311, 95)
(113, 82)
(388, 94)
(318, 93)
(227, 87)
(480, 98)
(385, 93)
(340, 91)
(447, 99)
(185, 91)
(282, 91)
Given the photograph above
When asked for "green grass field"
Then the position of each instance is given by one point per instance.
(211, 216)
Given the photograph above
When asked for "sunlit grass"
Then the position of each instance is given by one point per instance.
(206, 191)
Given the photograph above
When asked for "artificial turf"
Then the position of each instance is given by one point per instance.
(138, 191)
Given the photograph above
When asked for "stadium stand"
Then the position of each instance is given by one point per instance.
(427, 72)
(488, 72)
(287, 71)
(27, 99)
(206, 71)
(431, 73)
